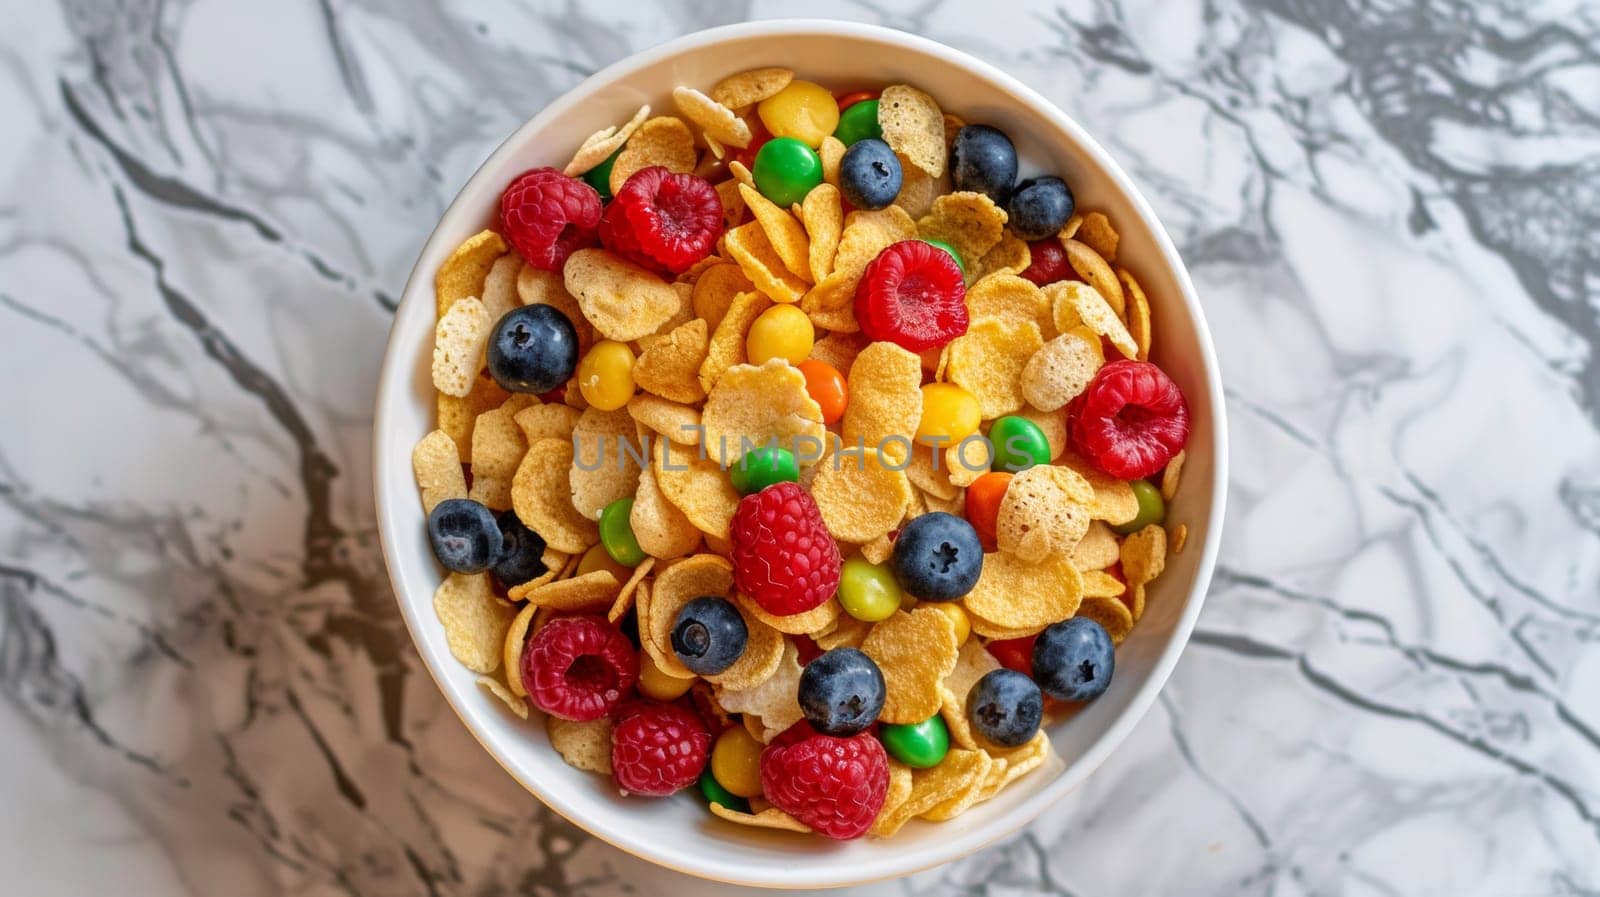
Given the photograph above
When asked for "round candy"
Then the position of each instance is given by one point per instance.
(858, 121)
(855, 96)
(953, 610)
(1018, 444)
(714, 793)
(1151, 508)
(803, 110)
(657, 685)
(867, 591)
(782, 331)
(950, 249)
(918, 745)
(599, 177)
(826, 387)
(597, 558)
(761, 467)
(949, 415)
(605, 375)
(616, 534)
(736, 762)
(983, 504)
(786, 170)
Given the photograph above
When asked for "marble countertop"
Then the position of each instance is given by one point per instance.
(1391, 209)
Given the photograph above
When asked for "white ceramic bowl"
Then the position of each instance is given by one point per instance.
(677, 832)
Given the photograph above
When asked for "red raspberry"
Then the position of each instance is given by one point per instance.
(1014, 653)
(663, 220)
(579, 668)
(912, 295)
(657, 748)
(782, 555)
(1049, 262)
(835, 785)
(1130, 421)
(546, 216)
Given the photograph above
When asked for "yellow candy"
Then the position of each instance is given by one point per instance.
(605, 375)
(597, 558)
(803, 110)
(949, 415)
(736, 762)
(782, 331)
(952, 609)
(658, 686)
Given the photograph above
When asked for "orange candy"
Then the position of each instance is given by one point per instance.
(983, 504)
(850, 99)
(826, 386)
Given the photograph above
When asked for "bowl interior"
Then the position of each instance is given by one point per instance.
(677, 832)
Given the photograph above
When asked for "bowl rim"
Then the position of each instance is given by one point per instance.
(396, 371)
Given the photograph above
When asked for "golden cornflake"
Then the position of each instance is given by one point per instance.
(1019, 595)
(677, 422)
(1009, 256)
(915, 651)
(715, 290)
(1097, 233)
(1078, 304)
(956, 773)
(748, 245)
(663, 140)
(676, 585)
(459, 340)
(840, 350)
(753, 405)
(1097, 550)
(474, 620)
(1114, 501)
(500, 286)
(605, 466)
(832, 153)
(497, 448)
(543, 500)
(458, 414)
(1052, 425)
(771, 817)
(775, 700)
(622, 300)
(1173, 475)
(964, 793)
(898, 793)
(670, 366)
(1095, 272)
(987, 361)
(917, 189)
(660, 528)
(1180, 537)
(885, 388)
(753, 86)
(969, 221)
(913, 126)
(437, 466)
(1009, 298)
(463, 273)
(845, 632)
(549, 421)
(923, 474)
(1144, 554)
(1138, 313)
(763, 652)
(860, 498)
(699, 487)
(537, 287)
(1062, 369)
(591, 591)
(784, 233)
(1110, 613)
(1045, 512)
(585, 745)
(516, 638)
(495, 687)
(973, 662)
(867, 233)
(727, 346)
(819, 618)
(822, 212)
(716, 120)
(599, 146)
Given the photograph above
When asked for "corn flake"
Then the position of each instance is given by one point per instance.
(1062, 369)
(458, 414)
(1144, 554)
(542, 498)
(622, 300)
(1095, 272)
(969, 221)
(1023, 596)
(673, 420)
(459, 340)
(1045, 512)
(474, 620)
(784, 233)
(1009, 298)
(1009, 256)
(754, 405)
(822, 213)
(660, 528)
(1097, 550)
(988, 361)
(860, 498)
(960, 770)
(605, 466)
(697, 486)
(585, 745)
(1114, 501)
(599, 146)
(462, 274)
(437, 466)
(664, 140)
(748, 245)
(1110, 613)
(1137, 313)
(913, 125)
(721, 126)
(915, 651)
(775, 700)
(832, 153)
(885, 388)
(495, 687)
(1173, 476)
(753, 86)
(771, 818)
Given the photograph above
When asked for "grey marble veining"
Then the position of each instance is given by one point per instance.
(1391, 208)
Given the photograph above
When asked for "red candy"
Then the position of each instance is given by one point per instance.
(1130, 421)
(1049, 262)
(1014, 653)
(658, 749)
(546, 216)
(912, 295)
(579, 668)
(782, 555)
(663, 220)
(835, 785)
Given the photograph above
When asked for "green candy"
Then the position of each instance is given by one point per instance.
(1151, 508)
(917, 745)
(616, 534)
(761, 467)
(1018, 444)
(786, 170)
(599, 177)
(714, 793)
(867, 591)
(950, 249)
(858, 122)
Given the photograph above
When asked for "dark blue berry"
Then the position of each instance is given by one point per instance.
(869, 174)
(1073, 660)
(983, 160)
(533, 348)
(1005, 707)
(841, 692)
(709, 635)
(1039, 207)
(522, 558)
(937, 557)
(465, 536)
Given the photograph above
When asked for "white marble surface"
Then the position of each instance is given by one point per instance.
(1390, 208)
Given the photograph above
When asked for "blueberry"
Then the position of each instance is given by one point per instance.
(1005, 707)
(522, 558)
(841, 692)
(465, 536)
(1039, 207)
(937, 557)
(533, 348)
(1073, 660)
(709, 635)
(869, 174)
(982, 159)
